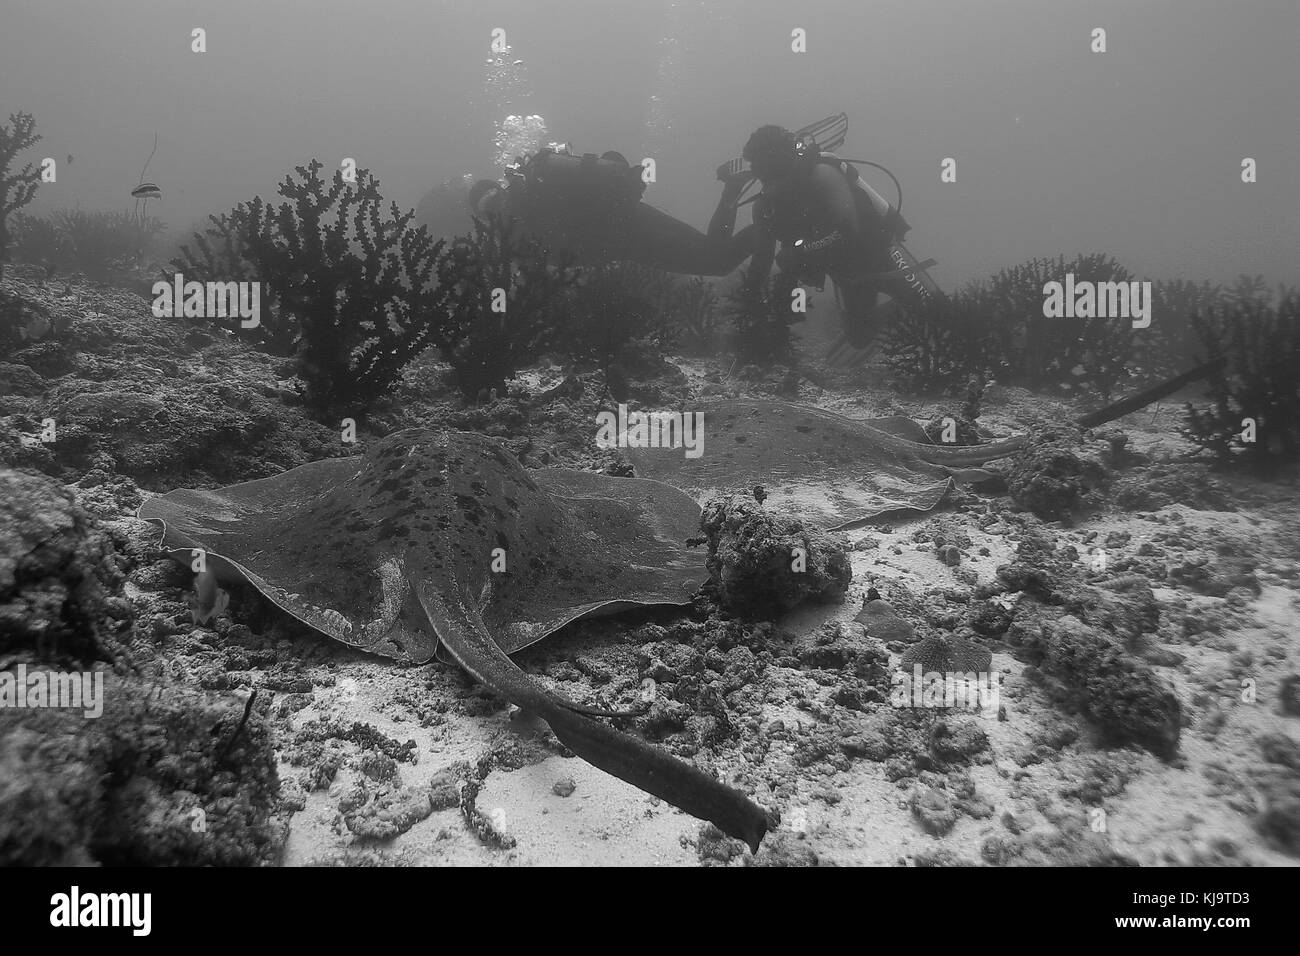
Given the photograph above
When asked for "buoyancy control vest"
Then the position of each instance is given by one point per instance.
(878, 220)
(881, 226)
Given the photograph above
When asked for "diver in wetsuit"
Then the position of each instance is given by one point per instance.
(590, 207)
(823, 223)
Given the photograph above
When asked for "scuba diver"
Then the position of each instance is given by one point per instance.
(590, 208)
(829, 223)
(826, 219)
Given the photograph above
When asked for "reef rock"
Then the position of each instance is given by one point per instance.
(765, 564)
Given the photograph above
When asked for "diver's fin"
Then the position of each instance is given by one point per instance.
(732, 167)
(845, 355)
(826, 135)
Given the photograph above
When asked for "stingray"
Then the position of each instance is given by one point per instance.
(831, 470)
(441, 541)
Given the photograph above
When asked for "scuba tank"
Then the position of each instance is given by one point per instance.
(555, 180)
(907, 278)
(892, 222)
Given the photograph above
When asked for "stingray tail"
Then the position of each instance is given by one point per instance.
(467, 639)
(658, 772)
(971, 454)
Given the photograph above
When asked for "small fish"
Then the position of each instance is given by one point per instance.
(146, 191)
(69, 159)
(208, 601)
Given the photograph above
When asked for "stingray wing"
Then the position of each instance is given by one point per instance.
(303, 539)
(623, 546)
(833, 470)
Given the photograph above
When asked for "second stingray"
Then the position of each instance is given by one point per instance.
(830, 470)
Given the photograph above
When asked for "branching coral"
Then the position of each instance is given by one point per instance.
(940, 344)
(219, 254)
(16, 188)
(693, 307)
(75, 240)
(1254, 413)
(612, 306)
(96, 243)
(351, 281)
(34, 239)
(761, 317)
(1068, 353)
(503, 304)
(1170, 346)
(998, 327)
